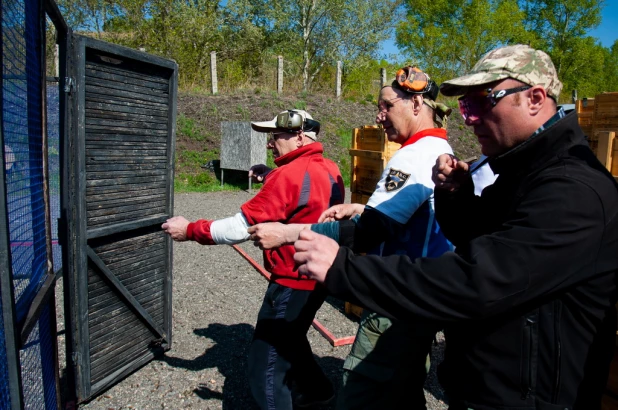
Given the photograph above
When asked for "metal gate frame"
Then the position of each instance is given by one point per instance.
(80, 253)
(17, 333)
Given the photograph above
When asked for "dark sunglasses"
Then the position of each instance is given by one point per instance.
(479, 103)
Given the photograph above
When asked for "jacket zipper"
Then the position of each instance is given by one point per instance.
(557, 316)
(528, 353)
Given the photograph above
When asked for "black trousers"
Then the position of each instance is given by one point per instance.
(280, 354)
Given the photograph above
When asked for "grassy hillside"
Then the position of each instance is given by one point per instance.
(199, 132)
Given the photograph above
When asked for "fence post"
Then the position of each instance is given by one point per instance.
(213, 71)
(382, 77)
(338, 91)
(279, 74)
(57, 60)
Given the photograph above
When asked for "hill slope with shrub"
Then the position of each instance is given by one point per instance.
(198, 137)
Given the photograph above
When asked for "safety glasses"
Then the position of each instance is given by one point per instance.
(477, 104)
(276, 135)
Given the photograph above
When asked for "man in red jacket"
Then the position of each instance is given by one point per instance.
(302, 186)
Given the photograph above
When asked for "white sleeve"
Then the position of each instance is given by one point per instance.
(229, 231)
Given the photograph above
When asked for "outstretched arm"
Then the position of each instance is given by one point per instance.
(271, 235)
(225, 231)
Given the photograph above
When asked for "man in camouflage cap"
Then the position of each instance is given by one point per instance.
(527, 298)
(519, 62)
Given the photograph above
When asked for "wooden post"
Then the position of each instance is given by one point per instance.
(213, 72)
(279, 74)
(382, 77)
(604, 149)
(57, 60)
(338, 91)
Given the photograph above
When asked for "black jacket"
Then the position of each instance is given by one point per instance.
(528, 296)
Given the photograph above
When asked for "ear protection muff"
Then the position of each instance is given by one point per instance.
(413, 80)
(294, 122)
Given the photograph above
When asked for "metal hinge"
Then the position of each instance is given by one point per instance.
(69, 84)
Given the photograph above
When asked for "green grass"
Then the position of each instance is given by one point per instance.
(189, 128)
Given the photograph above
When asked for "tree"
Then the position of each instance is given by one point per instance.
(560, 28)
(610, 75)
(318, 32)
(446, 37)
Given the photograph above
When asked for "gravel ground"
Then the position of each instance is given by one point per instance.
(216, 297)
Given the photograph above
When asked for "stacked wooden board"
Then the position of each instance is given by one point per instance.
(370, 152)
(598, 118)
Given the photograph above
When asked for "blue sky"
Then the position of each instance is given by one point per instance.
(607, 31)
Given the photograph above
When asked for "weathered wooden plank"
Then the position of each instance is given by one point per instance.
(119, 174)
(114, 309)
(126, 159)
(106, 345)
(138, 97)
(141, 290)
(91, 129)
(126, 151)
(125, 116)
(140, 209)
(125, 187)
(119, 260)
(119, 324)
(98, 122)
(128, 331)
(121, 78)
(123, 209)
(152, 272)
(125, 180)
(129, 167)
(121, 195)
(92, 206)
(98, 289)
(120, 360)
(105, 106)
(127, 267)
(127, 145)
(133, 86)
(127, 102)
(127, 217)
(124, 294)
(104, 136)
(105, 311)
(126, 73)
(126, 226)
(127, 240)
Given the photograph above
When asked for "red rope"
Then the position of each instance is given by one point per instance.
(342, 341)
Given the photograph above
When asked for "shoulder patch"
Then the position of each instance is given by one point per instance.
(395, 179)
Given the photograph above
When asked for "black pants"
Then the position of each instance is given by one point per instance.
(280, 353)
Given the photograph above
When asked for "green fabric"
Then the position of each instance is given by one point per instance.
(386, 365)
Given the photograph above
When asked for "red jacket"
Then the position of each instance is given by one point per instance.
(303, 185)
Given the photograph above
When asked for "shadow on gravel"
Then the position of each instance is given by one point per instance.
(229, 356)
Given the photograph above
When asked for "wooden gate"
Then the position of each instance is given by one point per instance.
(118, 192)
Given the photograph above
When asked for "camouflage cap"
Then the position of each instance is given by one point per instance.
(520, 62)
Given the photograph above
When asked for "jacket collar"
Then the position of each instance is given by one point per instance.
(311, 149)
(541, 147)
